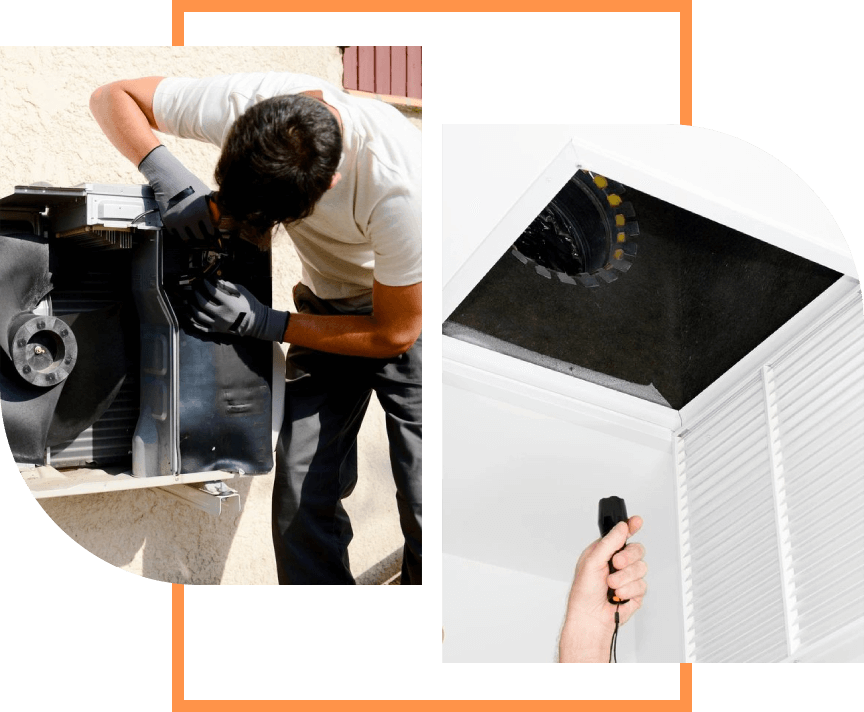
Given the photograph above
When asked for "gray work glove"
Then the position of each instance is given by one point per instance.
(181, 196)
(228, 308)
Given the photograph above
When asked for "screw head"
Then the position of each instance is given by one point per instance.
(26, 369)
(50, 376)
(67, 360)
(22, 343)
(64, 333)
(41, 324)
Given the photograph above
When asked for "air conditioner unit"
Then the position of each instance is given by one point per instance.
(105, 384)
(671, 316)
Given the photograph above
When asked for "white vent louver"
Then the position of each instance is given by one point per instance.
(771, 491)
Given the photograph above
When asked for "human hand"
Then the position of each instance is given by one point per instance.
(590, 621)
(228, 308)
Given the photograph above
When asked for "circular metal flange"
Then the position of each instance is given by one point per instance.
(43, 348)
(586, 235)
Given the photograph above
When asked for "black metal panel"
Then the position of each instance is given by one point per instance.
(225, 388)
(205, 399)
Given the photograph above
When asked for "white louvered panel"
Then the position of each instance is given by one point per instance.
(770, 490)
(728, 524)
(820, 388)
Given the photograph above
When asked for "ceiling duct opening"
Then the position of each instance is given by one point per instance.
(585, 235)
(698, 299)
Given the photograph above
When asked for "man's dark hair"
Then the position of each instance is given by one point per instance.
(277, 162)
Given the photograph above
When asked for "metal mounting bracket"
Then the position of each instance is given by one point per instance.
(208, 496)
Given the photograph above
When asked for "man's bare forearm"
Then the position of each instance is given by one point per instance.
(350, 335)
(578, 645)
(124, 112)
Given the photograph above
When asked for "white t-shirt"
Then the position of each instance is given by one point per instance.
(368, 225)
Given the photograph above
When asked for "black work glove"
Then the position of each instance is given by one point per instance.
(181, 196)
(228, 308)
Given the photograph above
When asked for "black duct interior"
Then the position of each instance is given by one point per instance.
(698, 297)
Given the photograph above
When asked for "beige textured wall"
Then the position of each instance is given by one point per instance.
(49, 135)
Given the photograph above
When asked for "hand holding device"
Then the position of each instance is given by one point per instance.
(611, 511)
(592, 618)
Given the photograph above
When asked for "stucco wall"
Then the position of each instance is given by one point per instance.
(49, 135)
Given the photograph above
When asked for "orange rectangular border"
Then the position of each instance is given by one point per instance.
(686, 111)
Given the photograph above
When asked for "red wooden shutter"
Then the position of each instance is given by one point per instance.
(389, 71)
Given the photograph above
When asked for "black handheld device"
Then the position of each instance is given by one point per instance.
(611, 511)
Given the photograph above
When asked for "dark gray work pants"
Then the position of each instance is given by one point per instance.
(316, 458)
